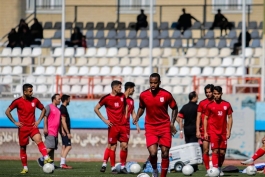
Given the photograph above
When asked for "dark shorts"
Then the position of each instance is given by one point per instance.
(190, 138)
(66, 141)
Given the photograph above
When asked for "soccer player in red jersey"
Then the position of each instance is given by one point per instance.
(208, 90)
(129, 90)
(218, 123)
(27, 125)
(158, 127)
(115, 104)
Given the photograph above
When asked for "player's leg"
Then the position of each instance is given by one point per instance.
(205, 154)
(105, 158)
(23, 136)
(165, 144)
(67, 147)
(50, 145)
(124, 139)
(113, 134)
(153, 158)
(221, 160)
(214, 142)
(260, 152)
(24, 161)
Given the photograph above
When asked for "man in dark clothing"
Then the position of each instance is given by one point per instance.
(184, 21)
(76, 38)
(36, 30)
(13, 38)
(239, 43)
(25, 38)
(221, 21)
(21, 26)
(141, 21)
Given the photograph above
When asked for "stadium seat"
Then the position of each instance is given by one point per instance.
(112, 52)
(145, 43)
(142, 34)
(258, 52)
(123, 52)
(50, 70)
(181, 61)
(137, 71)
(132, 43)
(230, 71)
(30, 79)
(110, 26)
(184, 71)
(238, 61)
(175, 80)
(248, 52)
(111, 34)
(80, 25)
(140, 80)
(94, 70)
(127, 70)
(58, 70)
(225, 52)
(176, 34)
(166, 43)
(74, 80)
(191, 52)
(209, 34)
(136, 61)
(144, 52)
(121, 26)
(36, 52)
(187, 34)
(16, 51)
(103, 61)
(200, 43)
(75, 89)
(39, 70)
(121, 43)
(195, 71)
(121, 34)
(207, 71)
(17, 70)
(57, 52)
(47, 43)
(85, 80)
(193, 61)
(202, 52)
(222, 44)
(40, 80)
(218, 71)
(166, 80)
(196, 25)
(163, 26)
(163, 34)
(80, 51)
(204, 62)
(145, 62)
(7, 79)
(73, 70)
(65, 89)
(134, 52)
(213, 52)
(168, 88)
(69, 52)
(84, 89)
(57, 34)
(167, 52)
(26, 61)
(186, 80)
(98, 89)
(6, 61)
(232, 42)
(232, 34)
(90, 34)
(6, 70)
(177, 43)
(239, 71)
(48, 61)
(227, 61)
(99, 34)
(41, 89)
(260, 25)
(252, 25)
(116, 70)
(111, 43)
(16, 61)
(254, 34)
(83, 70)
(90, 25)
(210, 43)
(91, 52)
(173, 71)
(216, 61)
(146, 71)
(255, 43)
(114, 62)
(177, 89)
(101, 43)
(156, 52)
(6, 52)
(125, 61)
(132, 34)
(26, 52)
(47, 25)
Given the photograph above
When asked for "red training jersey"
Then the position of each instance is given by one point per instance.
(202, 108)
(217, 116)
(130, 104)
(26, 109)
(157, 107)
(115, 107)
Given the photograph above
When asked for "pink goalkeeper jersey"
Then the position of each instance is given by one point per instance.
(53, 119)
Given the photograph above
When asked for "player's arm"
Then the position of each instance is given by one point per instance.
(229, 125)
(137, 125)
(140, 112)
(45, 120)
(205, 124)
(42, 114)
(64, 126)
(106, 121)
(198, 124)
(10, 117)
(180, 122)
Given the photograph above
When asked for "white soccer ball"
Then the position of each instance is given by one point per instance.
(48, 168)
(135, 168)
(213, 172)
(143, 175)
(251, 170)
(187, 170)
(118, 167)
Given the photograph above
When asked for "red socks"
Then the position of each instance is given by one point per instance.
(260, 152)
(153, 161)
(23, 157)
(206, 161)
(112, 157)
(215, 159)
(106, 155)
(164, 167)
(123, 157)
(42, 149)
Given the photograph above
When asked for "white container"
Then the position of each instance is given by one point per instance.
(183, 154)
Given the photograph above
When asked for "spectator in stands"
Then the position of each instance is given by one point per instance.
(13, 38)
(76, 38)
(36, 30)
(84, 42)
(239, 42)
(25, 38)
(141, 21)
(221, 21)
(184, 21)
(21, 26)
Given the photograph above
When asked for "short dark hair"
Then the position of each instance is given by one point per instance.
(192, 95)
(209, 86)
(115, 83)
(128, 85)
(218, 89)
(26, 86)
(65, 97)
(155, 75)
(54, 96)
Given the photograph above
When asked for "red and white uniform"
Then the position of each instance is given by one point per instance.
(202, 108)
(26, 115)
(116, 107)
(217, 123)
(130, 104)
(157, 117)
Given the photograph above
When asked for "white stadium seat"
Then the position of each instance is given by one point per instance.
(39, 70)
(218, 71)
(17, 70)
(83, 70)
(173, 71)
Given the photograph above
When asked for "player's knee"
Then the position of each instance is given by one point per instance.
(153, 155)
(23, 148)
(205, 151)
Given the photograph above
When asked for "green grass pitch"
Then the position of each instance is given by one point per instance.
(9, 168)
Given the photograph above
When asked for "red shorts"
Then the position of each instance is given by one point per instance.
(118, 133)
(218, 141)
(158, 136)
(25, 132)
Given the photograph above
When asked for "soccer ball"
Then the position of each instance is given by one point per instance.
(118, 167)
(187, 170)
(251, 170)
(135, 168)
(48, 168)
(143, 175)
(213, 172)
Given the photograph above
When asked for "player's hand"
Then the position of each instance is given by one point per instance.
(63, 133)
(181, 135)
(69, 135)
(18, 124)
(206, 136)
(138, 129)
(36, 124)
(107, 122)
(135, 121)
(198, 134)
(228, 134)
(45, 131)
(263, 140)
(173, 129)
